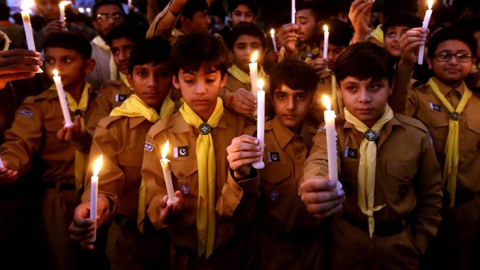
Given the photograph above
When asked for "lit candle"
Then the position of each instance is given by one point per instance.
(27, 26)
(167, 174)
(260, 121)
(426, 21)
(325, 41)
(129, 6)
(61, 6)
(94, 195)
(1, 163)
(254, 72)
(62, 98)
(293, 11)
(329, 118)
(272, 34)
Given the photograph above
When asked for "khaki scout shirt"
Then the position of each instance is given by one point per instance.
(120, 140)
(407, 178)
(164, 25)
(425, 106)
(34, 131)
(112, 95)
(236, 201)
(281, 209)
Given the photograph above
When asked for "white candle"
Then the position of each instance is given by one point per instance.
(62, 98)
(426, 21)
(94, 195)
(272, 34)
(167, 174)
(325, 41)
(260, 121)
(27, 26)
(61, 6)
(253, 67)
(1, 163)
(129, 6)
(293, 11)
(329, 117)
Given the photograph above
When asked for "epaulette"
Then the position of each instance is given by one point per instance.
(411, 122)
(421, 87)
(104, 122)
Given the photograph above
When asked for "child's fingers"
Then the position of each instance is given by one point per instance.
(315, 185)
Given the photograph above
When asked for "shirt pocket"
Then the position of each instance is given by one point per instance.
(398, 185)
(185, 177)
(130, 162)
(432, 118)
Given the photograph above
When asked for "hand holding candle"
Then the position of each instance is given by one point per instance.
(329, 117)
(167, 174)
(94, 195)
(325, 43)
(62, 98)
(426, 21)
(27, 26)
(260, 120)
(253, 67)
(274, 42)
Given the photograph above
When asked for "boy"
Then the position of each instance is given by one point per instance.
(450, 112)
(120, 139)
(243, 41)
(38, 130)
(289, 234)
(210, 220)
(240, 11)
(387, 168)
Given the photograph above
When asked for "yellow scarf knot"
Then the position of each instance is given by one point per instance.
(134, 107)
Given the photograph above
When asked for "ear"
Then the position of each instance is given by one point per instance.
(390, 87)
(224, 80)
(130, 79)
(429, 62)
(89, 66)
(175, 82)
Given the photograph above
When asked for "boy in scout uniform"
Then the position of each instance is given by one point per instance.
(450, 111)
(243, 40)
(211, 215)
(387, 167)
(38, 131)
(120, 139)
(289, 235)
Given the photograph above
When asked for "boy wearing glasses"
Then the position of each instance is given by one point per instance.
(450, 111)
(106, 15)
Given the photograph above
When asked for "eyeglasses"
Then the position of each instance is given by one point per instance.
(106, 16)
(446, 56)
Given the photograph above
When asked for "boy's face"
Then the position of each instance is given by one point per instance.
(121, 49)
(200, 89)
(392, 39)
(49, 9)
(307, 24)
(151, 83)
(199, 23)
(243, 49)
(333, 53)
(107, 17)
(451, 71)
(242, 14)
(291, 106)
(70, 64)
(365, 99)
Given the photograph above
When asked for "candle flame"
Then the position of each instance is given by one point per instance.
(63, 4)
(55, 72)
(97, 165)
(272, 32)
(325, 28)
(254, 57)
(27, 5)
(260, 84)
(326, 102)
(430, 4)
(165, 149)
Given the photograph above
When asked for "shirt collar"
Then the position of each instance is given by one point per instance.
(284, 135)
(445, 89)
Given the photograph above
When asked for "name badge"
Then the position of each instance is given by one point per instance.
(148, 147)
(120, 98)
(273, 157)
(435, 107)
(181, 151)
(351, 153)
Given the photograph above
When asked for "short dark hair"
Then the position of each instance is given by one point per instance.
(126, 30)
(192, 51)
(69, 41)
(245, 28)
(193, 6)
(340, 32)
(401, 18)
(295, 74)
(312, 6)
(250, 4)
(363, 61)
(153, 50)
(451, 33)
(4, 12)
(105, 3)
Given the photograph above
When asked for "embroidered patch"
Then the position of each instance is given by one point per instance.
(26, 113)
(148, 147)
(120, 98)
(273, 157)
(273, 194)
(184, 189)
(435, 107)
(351, 153)
(181, 151)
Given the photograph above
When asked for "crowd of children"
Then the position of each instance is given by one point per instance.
(407, 139)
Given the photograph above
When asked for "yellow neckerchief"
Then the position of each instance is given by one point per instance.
(243, 77)
(314, 52)
(337, 101)
(98, 40)
(125, 81)
(134, 107)
(451, 147)
(367, 165)
(377, 34)
(206, 177)
(80, 158)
